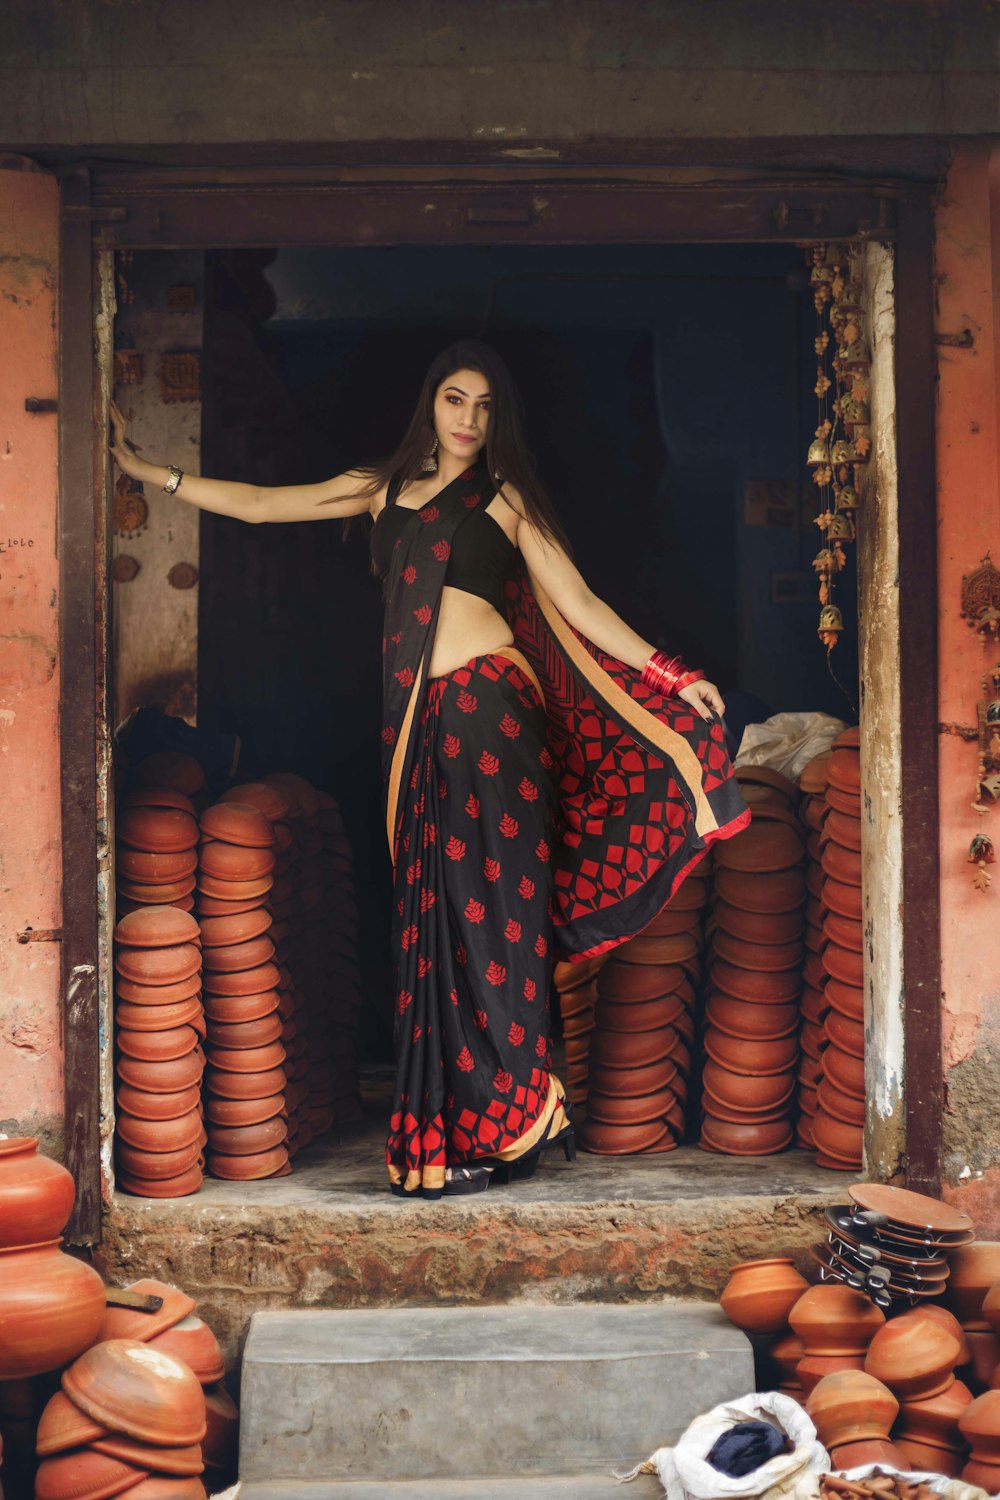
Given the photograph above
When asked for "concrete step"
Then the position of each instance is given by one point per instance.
(559, 1487)
(349, 1399)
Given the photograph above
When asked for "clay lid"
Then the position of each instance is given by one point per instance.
(156, 927)
(754, 1022)
(62, 1426)
(244, 982)
(844, 931)
(642, 1015)
(850, 1108)
(235, 1112)
(625, 1140)
(158, 965)
(620, 981)
(669, 922)
(84, 1475)
(753, 1139)
(771, 928)
(617, 1049)
(227, 906)
(914, 1210)
(184, 1461)
(224, 861)
(159, 1135)
(246, 1059)
(172, 1187)
(751, 1094)
(246, 1034)
(848, 803)
(157, 994)
(156, 796)
(241, 927)
(618, 1109)
(138, 1391)
(245, 1085)
(845, 770)
(761, 957)
(157, 1166)
(845, 1070)
(158, 1017)
(846, 1034)
(765, 777)
(675, 949)
(849, 738)
(130, 1323)
(778, 891)
(157, 1046)
(145, 1105)
(235, 957)
(248, 1140)
(813, 1004)
(237, 1009)
(193, 1342)
(231, 890)
(627, 1082)
(813, 776)
(249, 1168)
(156, 830)
(753, 1058)
(168, 1076)
(267, 799)
(843, 829)
(139, 867)
(239, 823)
(845, 900)
(748, 984)
(841, 864)
(146, 894)
(844, 964)
(691, 895)
(766, 846)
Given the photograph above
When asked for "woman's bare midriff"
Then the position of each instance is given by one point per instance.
(467, 627)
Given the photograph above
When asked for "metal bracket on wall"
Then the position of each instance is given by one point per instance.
(40, 935)
(38, 404)
(963, 340)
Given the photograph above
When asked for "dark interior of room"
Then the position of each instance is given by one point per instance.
(659, 383)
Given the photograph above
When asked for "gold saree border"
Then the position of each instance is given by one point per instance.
(396, 768)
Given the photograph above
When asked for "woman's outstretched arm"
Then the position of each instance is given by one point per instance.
(547, 561)
(332, 500)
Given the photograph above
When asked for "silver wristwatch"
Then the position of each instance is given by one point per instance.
(176, 475)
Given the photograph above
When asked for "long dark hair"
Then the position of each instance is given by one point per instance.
(507, 455)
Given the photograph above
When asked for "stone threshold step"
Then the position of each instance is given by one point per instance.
(555, 1487)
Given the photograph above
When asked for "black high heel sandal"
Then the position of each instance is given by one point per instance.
(524, 1167)
(474, 1177)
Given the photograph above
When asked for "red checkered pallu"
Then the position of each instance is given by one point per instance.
(472, 929)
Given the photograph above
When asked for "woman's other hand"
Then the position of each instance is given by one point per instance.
(121, 449)
(705, 698)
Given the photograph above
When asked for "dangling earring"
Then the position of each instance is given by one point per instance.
(429, 465)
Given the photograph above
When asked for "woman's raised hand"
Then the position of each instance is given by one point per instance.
(704, 697)
(121, 449)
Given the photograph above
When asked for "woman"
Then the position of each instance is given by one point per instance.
(548, 775)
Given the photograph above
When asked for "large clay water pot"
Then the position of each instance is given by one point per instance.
(37, 1194)
(974, 1269)
(850, 1406)
(914, 1356)
(51, 1307)
(760, 1294)
(979, 1424)
(833, 1319)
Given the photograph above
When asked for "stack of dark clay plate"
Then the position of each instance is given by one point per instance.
(640, 1050)
(838, 1127)
(755, 976)
(814, 1004)
(576, 986)
(158, 1029)
(245, 1079)
(892, 1244)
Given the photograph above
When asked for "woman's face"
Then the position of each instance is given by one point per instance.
(462, 413)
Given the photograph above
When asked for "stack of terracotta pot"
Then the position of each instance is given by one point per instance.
(640, 1049)
(576, 986)
(156, 856)
(974, 1275)
(755, 977)
(814, 1004)
(836, 1325)
(245, 1079)
(129, 1420)
(838, 1128)
(915, 1355)
(853, 1413)
(159, 1025)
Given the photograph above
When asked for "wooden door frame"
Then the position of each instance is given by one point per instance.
(109, 208)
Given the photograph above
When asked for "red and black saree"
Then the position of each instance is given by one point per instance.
(538, 797)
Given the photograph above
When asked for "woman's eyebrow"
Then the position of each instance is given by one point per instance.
(484, 397)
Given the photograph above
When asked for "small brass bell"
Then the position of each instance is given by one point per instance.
(855, 413)
(819, 453)
(853, 356)
(848, 499)
(831, 621)
(842, 452)
(839, 529)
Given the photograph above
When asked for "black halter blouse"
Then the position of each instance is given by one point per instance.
(482, 555)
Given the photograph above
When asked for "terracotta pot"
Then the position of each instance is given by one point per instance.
(851, 1406)
(157, 1166)
(231, 1113)
(220, 1441)
(760, 1294)
(231, 891)
(235, 957)
(636, 982)
(158, 965)
(847, 803)
(813, 1006)
(170, 1187)
(846, 1108)
(744, 984)
(186, 1462)
(238, 1035)
(244, 982)
(139, 868)
(843, 829)
(50, 1308)
(767, 928)
(843, 931)
(84, 1475)
(250, 1167)
(625, 1140)
(658, 950)
(773, 781)
(936, 1420)
(845, 900)
(222, 932)
(752, 1058)
(238, 823)
(750, 1093)
(838, 1144)
(762, 1138)
(812, 1368)
(156, 796)
(157, 1107)
(618, 1049)
(156, 927)
(844, 965)
(847, 1073)
(216, 906)
(158, 1135)
(833, 1319)
(62, 1426)
(985, 1476)
(233, 861)
(914, 1356)
(979, 1424)
(783, 891)
(644, 1015)
(158, 1046)
(934, 1458)
(37, 1195)
(621, 1109)
(269, 800)
(691, 895)
(765, 846)
(193, 1343)
(249, 1140)
(846, 1035)
(844, 770)
(634, 1082)
(974, 1269)
(246, 1059)
(138, 1391)
(813, 776)
(760, 957)
(246, 1085)
(157, 994)
(672, 923)
(156, 830)
(867, 1451)
(158, 1017)
(749, 1020)
(232, 1009)
(848, 999)
(167, 1077)
(165, 893)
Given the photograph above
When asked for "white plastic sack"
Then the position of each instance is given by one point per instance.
(686, 1474)
(788, 742)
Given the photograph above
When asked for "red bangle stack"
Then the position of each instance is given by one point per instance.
(667, 675)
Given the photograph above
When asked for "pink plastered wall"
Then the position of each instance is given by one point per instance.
(30, 877)
(967, 252)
